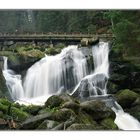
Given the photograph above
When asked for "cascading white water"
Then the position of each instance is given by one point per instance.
(49, 76)
(13, 82)
(97, 82)
(124, 120)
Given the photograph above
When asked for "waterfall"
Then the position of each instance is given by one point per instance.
(51, 75)
(61, 73)
(96, 82)
(13, 82)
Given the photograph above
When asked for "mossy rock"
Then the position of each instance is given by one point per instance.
(54, 101)
(134, 111)
(32, 109)
(3, 108)
(126, 98)
(52, 51)
(32, 54)
(83, 127)
(5, 101)
(67, 98)
(33, 122)
(1, 114)
(47, 125)
(109, 124)
(97, 110)
(118, 78)
(71, 105)
(84, 118)
(46, 109)
(18, 114)
(63, 115)
(112, 88)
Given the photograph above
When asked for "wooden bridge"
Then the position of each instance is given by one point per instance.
(51, 37)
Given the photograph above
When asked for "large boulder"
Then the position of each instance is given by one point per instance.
(22, 60)
(54, 101)
(63, 115)
(34, 122)
(126, 98)
(135, 112)
(97, 110)
(109, 124)
(71, 105)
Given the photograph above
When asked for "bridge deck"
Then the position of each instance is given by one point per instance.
(51, 37)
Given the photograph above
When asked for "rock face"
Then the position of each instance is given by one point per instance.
(3, 88)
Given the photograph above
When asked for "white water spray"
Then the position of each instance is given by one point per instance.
(96, 82)
(51, 75)
(13, 82)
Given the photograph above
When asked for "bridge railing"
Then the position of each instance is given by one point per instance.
(56, 35)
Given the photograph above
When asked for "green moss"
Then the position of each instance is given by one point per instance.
(54, 101)
(60, 45)
(3, 108)
(135, 112)
(77, 126)
(63, 115)
(18, 114)
(85, 118)
(31, 109)
(20, 48)
(53, 51)
(108, 123)
(32, 53)
(126, 98)
(5, 101)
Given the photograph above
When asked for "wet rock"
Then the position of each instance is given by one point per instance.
(84, 42)
(134, 111)
(54, 101)
(66, 97)
(118, 79)
(32, 109)
(93, 41)
(83, 127)
(97, 110)
(34, 122)
(63, 115)
(18, 114)
(3, 88)
(3, 124)
(84, 118)
(109, 124)
(1, 114)
(47, 125)
(126, 98)
(112, 88)
(71, 105)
